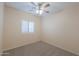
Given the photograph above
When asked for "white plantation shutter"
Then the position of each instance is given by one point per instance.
(31, 26)
(27, 26)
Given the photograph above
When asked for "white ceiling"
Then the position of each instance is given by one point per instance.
(28, 7)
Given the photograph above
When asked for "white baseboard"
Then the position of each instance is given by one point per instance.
(19, 46)
(47, 43)
(61, 47)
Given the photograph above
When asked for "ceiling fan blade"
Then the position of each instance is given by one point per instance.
(47, 11)
(47, 5)
(33, 3)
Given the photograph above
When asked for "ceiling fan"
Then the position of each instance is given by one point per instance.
(40, 7)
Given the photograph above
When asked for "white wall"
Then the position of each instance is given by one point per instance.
(1, 26)
(13, 37)
(62, 29)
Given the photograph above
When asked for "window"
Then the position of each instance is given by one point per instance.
(31, 26)
(27, 26)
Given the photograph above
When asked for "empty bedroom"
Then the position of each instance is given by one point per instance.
(39, 28)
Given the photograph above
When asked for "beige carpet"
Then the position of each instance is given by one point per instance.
(37, 49)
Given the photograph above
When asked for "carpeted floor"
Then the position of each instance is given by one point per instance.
(37, 49)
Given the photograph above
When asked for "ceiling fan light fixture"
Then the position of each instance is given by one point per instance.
(39, 12)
